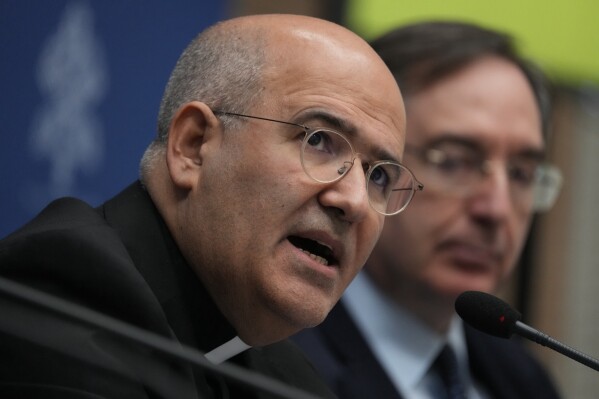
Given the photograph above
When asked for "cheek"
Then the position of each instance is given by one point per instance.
(366, 241)
(417, 226)
(395, 236)
(518, 235)
(413, 235)
(245, 186)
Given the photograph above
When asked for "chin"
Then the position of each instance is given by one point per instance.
(310, 304)
(311, 316)
(314, 321)
(483, 286)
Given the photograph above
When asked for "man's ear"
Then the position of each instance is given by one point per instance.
(193, 124)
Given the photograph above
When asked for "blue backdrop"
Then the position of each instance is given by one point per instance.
(80, 85)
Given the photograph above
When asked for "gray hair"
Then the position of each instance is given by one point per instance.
(222, 67)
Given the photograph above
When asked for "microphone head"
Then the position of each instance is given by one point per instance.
(487, 313)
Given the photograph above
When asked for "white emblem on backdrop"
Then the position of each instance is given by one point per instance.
(72, 79)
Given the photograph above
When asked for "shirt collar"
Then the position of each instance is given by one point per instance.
(404, 345)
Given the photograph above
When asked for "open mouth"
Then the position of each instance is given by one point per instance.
(314, 249)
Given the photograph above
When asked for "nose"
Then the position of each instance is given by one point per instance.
(492, 201)
(348, 195)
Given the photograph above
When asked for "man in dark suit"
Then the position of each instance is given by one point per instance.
(247, 225)
(476, 113)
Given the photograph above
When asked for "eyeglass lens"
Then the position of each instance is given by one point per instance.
(327, 156)
(457, 170)
(390, 187)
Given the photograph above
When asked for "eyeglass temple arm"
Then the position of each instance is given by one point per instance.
(419, 187)
(217, 112)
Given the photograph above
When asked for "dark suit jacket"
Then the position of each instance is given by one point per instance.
(120, 260)
(344, 359)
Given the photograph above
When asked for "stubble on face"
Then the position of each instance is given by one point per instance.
(251, 197)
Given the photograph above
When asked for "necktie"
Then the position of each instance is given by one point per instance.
(447, 367)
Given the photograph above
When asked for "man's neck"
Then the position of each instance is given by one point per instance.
(435, 312)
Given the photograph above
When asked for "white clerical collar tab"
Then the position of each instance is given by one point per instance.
(226, 350)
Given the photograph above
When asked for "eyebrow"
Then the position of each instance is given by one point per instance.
(536, 154)
(343, 126)
(329, 119)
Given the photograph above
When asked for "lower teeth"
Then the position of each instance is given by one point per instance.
(317, 258)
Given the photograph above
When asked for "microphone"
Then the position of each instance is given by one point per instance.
(493, 316)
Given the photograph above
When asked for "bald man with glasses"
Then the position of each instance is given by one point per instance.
(277, 159)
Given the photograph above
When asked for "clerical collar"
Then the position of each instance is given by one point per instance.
(227, 350)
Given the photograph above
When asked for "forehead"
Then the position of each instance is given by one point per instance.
(349, 82)
(489, 102)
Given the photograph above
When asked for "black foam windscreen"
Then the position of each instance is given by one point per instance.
(487, 313)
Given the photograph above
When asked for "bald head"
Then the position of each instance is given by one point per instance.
(232, 188)
(229, 65)
(225, 65)
(312, 52)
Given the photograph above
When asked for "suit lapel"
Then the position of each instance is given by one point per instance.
(486, 365)
(361, 375)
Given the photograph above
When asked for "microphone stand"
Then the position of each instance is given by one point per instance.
(543, 339)
(125, 334)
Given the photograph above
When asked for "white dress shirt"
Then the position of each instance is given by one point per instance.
(404, 346)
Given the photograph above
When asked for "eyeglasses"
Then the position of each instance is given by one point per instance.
(326, 156)
(457, 169)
